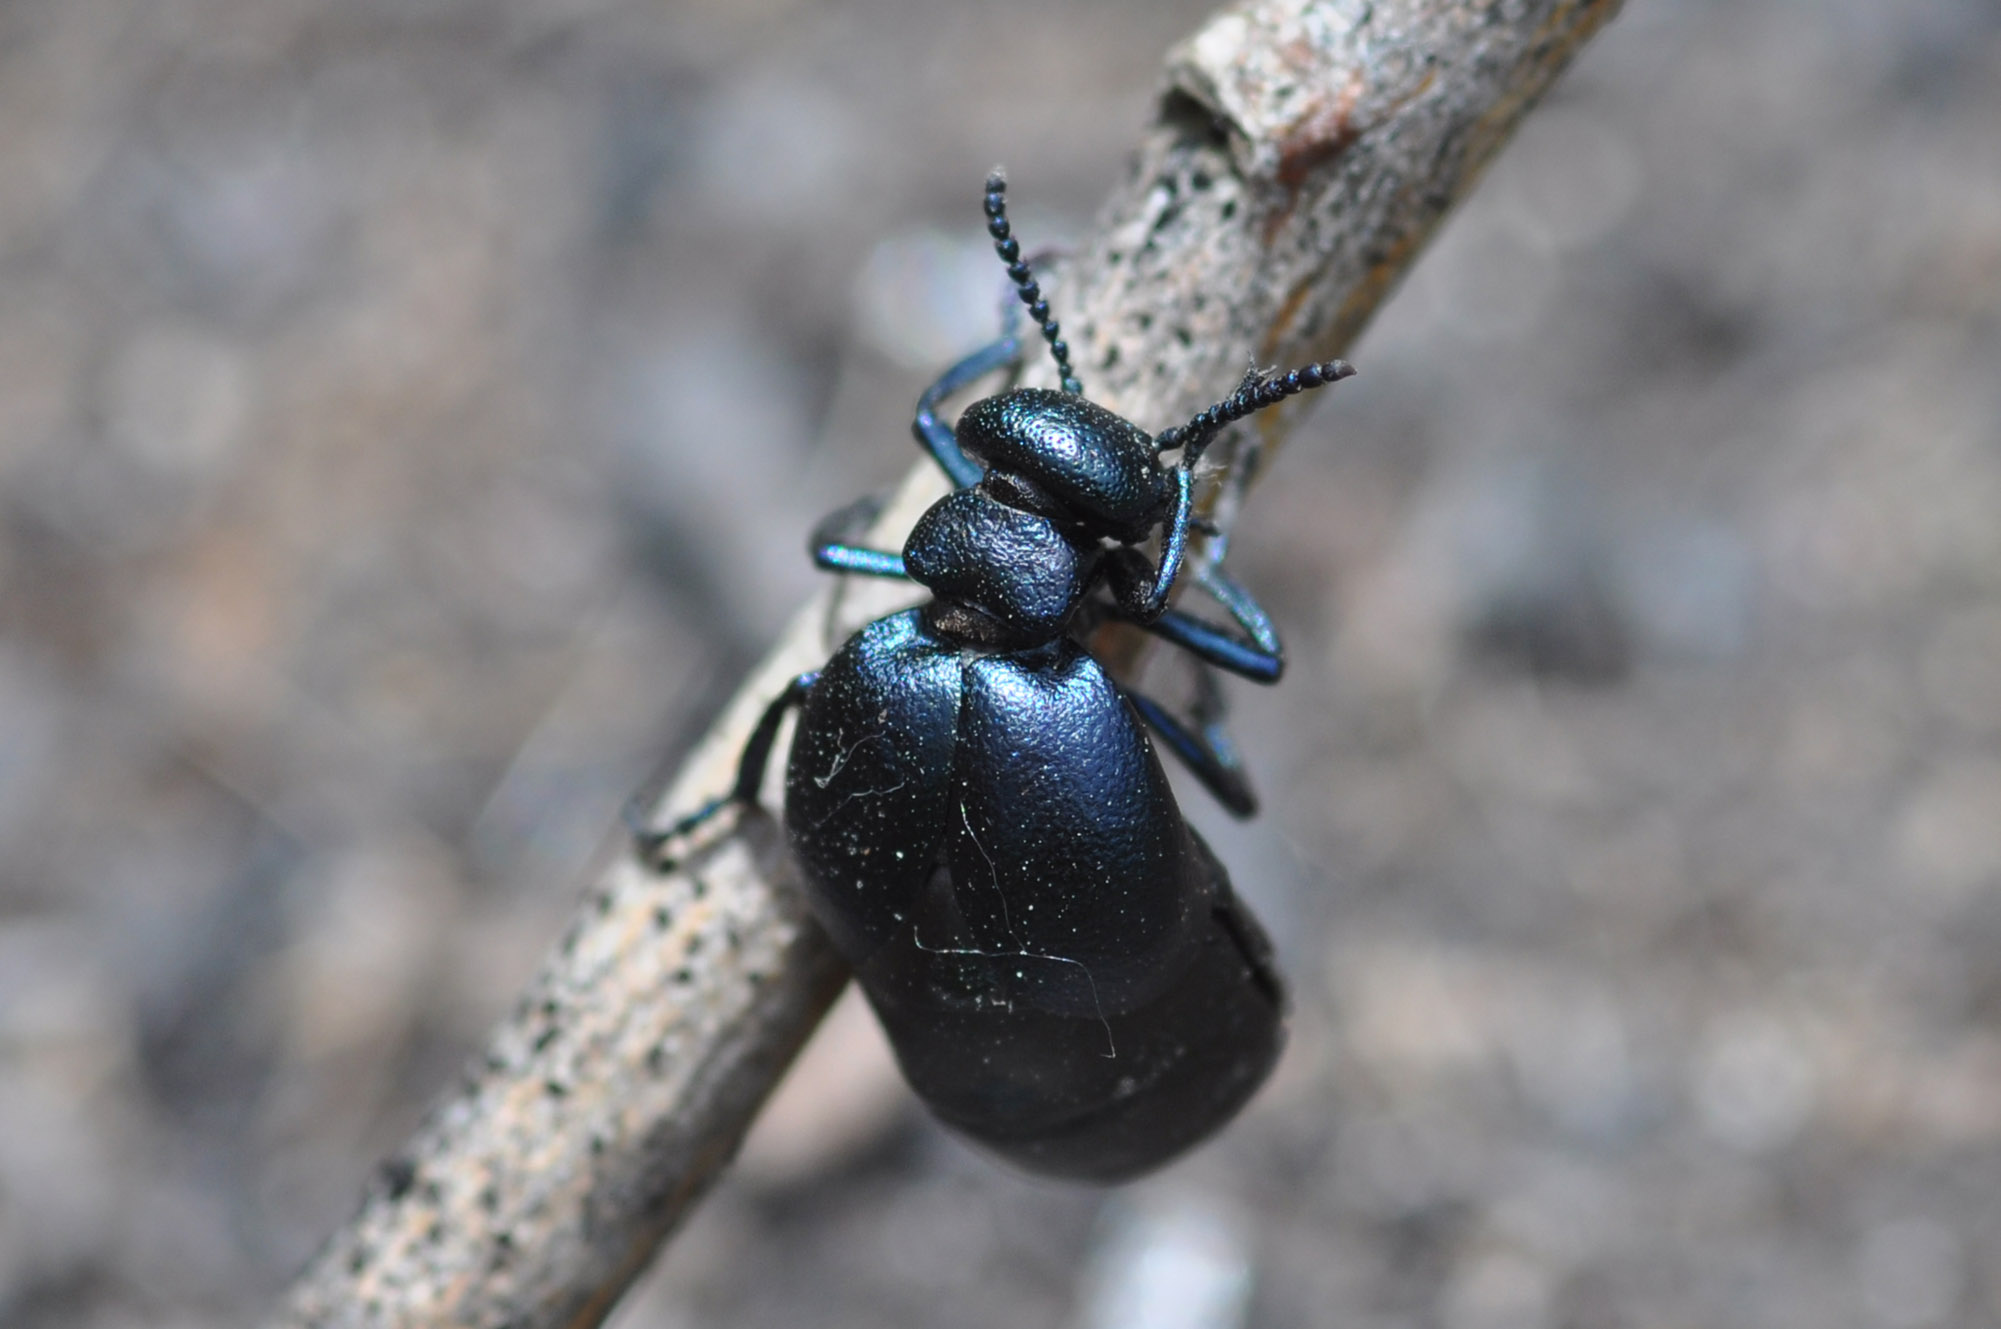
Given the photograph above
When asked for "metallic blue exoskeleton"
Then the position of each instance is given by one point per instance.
(984, 828)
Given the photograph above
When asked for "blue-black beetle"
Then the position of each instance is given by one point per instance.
(985, 831)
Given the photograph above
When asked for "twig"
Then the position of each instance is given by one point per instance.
(1301, 156)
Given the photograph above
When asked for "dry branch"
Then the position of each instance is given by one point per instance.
(1302, 154)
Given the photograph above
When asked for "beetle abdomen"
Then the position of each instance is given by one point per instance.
(1057, 957)
(868, 787)
(1091, 1099)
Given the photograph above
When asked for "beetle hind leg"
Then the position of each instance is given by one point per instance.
(651, 842)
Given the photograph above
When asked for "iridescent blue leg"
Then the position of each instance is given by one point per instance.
(853, 558)
(1256, 654)
(1203, 746)
(935, 434)
(833, 553)
(1139, 591)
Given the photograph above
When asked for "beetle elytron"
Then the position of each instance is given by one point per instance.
(985, 831)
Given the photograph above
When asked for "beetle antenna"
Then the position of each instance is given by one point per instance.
(1024, 278)
(1252, 395)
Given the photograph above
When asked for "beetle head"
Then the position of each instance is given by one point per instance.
(1101, 471)
(1097, 465)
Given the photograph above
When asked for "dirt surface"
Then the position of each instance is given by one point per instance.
(411, 416)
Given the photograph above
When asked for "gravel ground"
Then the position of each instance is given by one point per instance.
(410, 418)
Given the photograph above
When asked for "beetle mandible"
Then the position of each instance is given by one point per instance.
(984, 828)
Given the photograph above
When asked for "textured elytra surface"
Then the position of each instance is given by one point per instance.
(1060, 965)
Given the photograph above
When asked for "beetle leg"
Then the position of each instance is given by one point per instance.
(1256, 654)
(934, 434)
(1250, 615)
(749, 772)
(1219, 647)
(853, 558)
(1203, 746)
(1141, 593)
(832, 552)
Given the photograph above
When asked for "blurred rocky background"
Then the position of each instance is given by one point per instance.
(410, 418)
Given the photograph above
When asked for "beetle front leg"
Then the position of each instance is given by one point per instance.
(934, 434)
(1139, 591)
(749, 773)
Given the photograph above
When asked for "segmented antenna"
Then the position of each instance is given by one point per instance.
(1252, 395)
(1024, 279)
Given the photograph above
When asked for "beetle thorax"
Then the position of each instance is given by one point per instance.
(1004, 576)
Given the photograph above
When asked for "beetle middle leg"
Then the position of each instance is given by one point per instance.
(832, 551)
(749, 773)
(1256, 654)
(1202, 744)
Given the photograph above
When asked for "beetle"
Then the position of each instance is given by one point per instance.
(984, 827)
